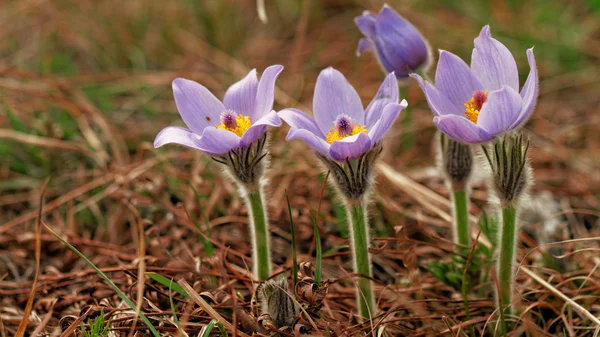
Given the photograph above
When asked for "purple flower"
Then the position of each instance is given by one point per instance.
(477, 104)
(399, 46)
(342, 129)
(217, 127)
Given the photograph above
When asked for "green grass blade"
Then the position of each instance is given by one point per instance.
(222, 329)
(294, 257)
(167, 283)
(171, 302)
(110, 283)
(318, 263)
(205, 332)
(209, 248)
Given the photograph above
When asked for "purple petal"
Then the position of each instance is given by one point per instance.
(335, 96)
(402, 44)
(387, 93)
(299, 120)
(266, 92)
(493, 64)
(529, 93)
(462, 130)
(440, 105)
(315, 142)
(500, 111)
(454, 79)
(197, 106)
(366, 24)
(363, 45)
(390, 113)
(259, 128)
(218, 141)
(177, 135)
(240, 97)
(350, 147)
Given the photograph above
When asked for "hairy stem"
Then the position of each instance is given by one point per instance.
(461, 218)
(359, 233)
(506, 260)
(261, 252)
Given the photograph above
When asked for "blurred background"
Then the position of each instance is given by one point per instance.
(85, 87)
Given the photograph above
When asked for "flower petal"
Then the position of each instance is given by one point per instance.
(402, 44)
(240, 96)
(335, 96)
(315, 142)
(266, 92)
(500, 111)
(218, 141)
(197, 106)
(454, 79)
(299, 120)
(387, 93)
(493, 63)
(390, 113)
(440, 105)
(177, 135)
(259, 128)
(350, 147)
(364, 44)
(529, 93)
(366, 24)
(461, 129)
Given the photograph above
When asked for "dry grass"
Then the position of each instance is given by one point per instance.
(85, 87)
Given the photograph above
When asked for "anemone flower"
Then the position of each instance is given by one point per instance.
(342, 129)
(477, 104)
(233, 132)
(217, 127)
(398, 45)
(347, 139)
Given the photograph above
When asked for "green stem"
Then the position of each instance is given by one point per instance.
(261, 253)
(461, 217)
(506, 260)
(359, 234)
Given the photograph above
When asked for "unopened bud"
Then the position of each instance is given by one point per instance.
(511, 171)
(456, 161)
(275, 302)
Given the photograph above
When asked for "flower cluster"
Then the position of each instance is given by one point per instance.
(476, 104)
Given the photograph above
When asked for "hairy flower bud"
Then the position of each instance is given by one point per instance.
(511, 171)
(456, 161)
(276, 305)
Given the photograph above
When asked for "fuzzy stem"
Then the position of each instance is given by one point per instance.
(506, 260)
(359, 233)
(461, 217)
(261, 252)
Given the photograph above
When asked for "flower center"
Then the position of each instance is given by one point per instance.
(344, 127)
(473, 106)
(232, 121)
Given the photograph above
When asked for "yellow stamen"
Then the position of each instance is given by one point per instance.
(473, 106)
(243, 124)
(334, 134)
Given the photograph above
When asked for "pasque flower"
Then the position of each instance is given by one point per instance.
(398, 45)
(347, 139)
(217, 127)
(342, 129)
(479, 103)
(233, 132)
